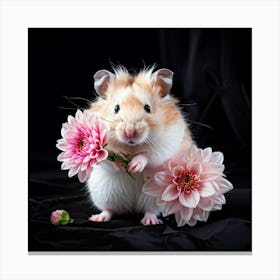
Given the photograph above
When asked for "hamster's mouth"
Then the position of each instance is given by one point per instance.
(132, 143)
(131, 140)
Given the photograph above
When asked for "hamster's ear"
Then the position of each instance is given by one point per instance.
(163, 78)
(102, 79)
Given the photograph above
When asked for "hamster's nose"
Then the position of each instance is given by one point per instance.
(130, 132)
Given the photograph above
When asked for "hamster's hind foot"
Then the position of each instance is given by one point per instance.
(150, 219)
(104, 216)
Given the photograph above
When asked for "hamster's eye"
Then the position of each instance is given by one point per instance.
(117, 108)
(147, 108)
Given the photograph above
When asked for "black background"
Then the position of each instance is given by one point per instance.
(213, 82)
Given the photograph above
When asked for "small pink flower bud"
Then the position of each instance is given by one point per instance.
(61, 217)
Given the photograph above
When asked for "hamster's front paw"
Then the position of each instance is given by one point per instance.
(138, 163)
(150, 219)
(104, 216)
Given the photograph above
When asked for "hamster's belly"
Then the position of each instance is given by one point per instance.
(113, 190)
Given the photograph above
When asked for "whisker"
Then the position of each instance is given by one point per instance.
(80, 98)
(203, 124)
(67, 108)
(188, 104)
(107, 120)
(73, 103)
(113, 117)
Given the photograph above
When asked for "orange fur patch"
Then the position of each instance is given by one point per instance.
(151, 123)
(122, 82)
(171, 114)
(146, 84)
(132, 102)
(96, 106)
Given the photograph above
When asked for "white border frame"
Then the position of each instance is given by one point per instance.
(17, 16)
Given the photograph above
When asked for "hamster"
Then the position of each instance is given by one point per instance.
(147, 125)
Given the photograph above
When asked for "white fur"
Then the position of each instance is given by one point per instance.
(117, 191)
(122, 94)
(167, 142)
(142, 96)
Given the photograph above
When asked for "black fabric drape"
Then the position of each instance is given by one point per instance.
(213, 82)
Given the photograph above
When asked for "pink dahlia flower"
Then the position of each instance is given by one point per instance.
(191, 186)
(82, 143)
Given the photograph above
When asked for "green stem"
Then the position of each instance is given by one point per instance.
(124, 161)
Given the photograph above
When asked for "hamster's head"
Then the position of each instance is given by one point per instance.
(133, 106)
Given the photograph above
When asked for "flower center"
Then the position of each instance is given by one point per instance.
(81, 143)
(186, 181)
(187, 178)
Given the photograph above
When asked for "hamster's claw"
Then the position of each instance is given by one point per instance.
(137, 164)
(104, 216)
(150, 219)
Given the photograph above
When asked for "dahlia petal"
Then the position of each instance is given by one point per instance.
(160, 202)
(87, 158)
(170, 193)
(217, 157)
(216, 206)
(195, 167)
(193, 150)
(180, 220)
(79, 115)
(216, 187)
(170, 208)
(189, 200)
(61, 157)
(192, 222)
(199, 156)
(209, 176)
(162, 178)
(205, 216)
(93, 162)
(84, 166)
(63, 132)
(220, 199)
(212, 167)
(82, 176)
(102, 155)
(205, 204)
(103, 137)
(171, 165)
(92, 146)
(200, 215)
(207, 153)
(70, 119)
(61, 140)
(152, 189)
(65, 165)
(186, 213)
(206, 189)
(224, 185)
(73, 171)
(62, 145)
(176, 171)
